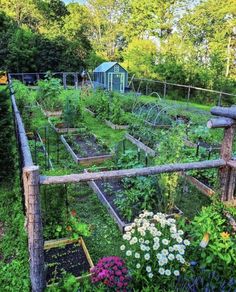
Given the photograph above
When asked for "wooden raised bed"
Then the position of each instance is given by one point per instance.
(116, 127)
(90, 112)
(86, 161)
(140, 145)
(201, 144)
(204, 189)
(112, 209)
(61, 128)
(70, 255)
(52, 114)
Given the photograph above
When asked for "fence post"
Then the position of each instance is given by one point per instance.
(188, 97)
(220, 99)
(64, 80)
(226, 172)
(164, 93)
(34, 227)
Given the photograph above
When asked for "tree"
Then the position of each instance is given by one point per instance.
(140, 57)
(22, 51)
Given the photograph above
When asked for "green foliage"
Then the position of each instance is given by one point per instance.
(72, 112)
(213, 242)
(76, 228)
(48, 92)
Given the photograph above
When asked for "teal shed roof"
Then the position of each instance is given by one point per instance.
(105, 66)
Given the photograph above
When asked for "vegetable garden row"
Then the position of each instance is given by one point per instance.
(159, 230)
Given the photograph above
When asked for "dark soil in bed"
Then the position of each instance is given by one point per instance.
(70, 258)
(110, 188)
(87, 146)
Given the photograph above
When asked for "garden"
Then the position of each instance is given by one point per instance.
(162, 232)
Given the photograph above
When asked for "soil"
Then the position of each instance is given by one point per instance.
(70, 258)
(115, 187)
(87, 146)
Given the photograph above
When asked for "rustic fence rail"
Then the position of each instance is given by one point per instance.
(32, 181)
(186, 92)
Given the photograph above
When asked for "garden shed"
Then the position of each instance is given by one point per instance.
(111, 76)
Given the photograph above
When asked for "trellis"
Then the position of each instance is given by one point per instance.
(32, 181)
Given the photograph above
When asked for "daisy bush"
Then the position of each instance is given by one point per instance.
(155, 249)
(111, 272)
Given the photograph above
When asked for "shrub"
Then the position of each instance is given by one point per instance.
(48, 92)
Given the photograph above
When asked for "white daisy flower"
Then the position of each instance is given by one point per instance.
(167, 272)
(122, 247)
(161, 271)
(165, 241)
(150, 275)
(165, 252)
(137, 255)
(128, 253)
(176, 273)
(147, 256)
(186, 242)
(148, 269)
(171, 257)
(138, 266)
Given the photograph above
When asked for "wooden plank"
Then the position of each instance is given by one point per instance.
(86, 161)
(232, 163)
(116, 127)
(228, 112)
(220, 122)
(24, 145)
(90, 112)
(151, 170)
(69, 149)
(140, 145)
(199, 185)
(110, 209)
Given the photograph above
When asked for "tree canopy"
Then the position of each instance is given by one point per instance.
(175, 40)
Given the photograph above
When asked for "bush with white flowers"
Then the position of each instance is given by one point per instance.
(154, 247)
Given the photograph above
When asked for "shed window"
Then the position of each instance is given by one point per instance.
(116, 68)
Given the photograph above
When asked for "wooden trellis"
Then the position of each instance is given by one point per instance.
(32, 181)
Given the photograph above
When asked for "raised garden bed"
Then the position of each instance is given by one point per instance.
(61, 127)
(204, 189)
(107, 199)
(90, 111)
(140, 145)
(66, 255)
(52, 113)
(116, 127)
(86, 149)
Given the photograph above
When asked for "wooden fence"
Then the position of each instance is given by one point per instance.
(32, 181)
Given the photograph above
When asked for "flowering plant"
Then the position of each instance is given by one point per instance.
(154, 248)
(76, 228)
(111, 271)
